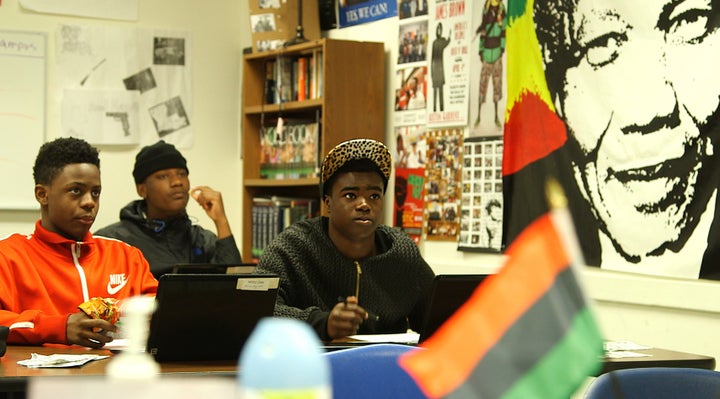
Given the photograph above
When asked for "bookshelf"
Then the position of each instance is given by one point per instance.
(345, 96)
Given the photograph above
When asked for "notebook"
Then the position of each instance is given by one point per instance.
(449, 292)
(208, 316)
(213, 268)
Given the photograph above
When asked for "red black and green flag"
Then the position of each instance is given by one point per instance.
(526, 332)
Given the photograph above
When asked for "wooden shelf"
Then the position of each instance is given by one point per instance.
(350, 105)
(305, 105)
(308, 181)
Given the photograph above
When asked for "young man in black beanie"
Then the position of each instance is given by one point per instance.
(158, 224)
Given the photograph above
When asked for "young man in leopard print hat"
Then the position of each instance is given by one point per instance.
(347, 273)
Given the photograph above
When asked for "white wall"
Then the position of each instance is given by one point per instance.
(219, 32)
(674, 314)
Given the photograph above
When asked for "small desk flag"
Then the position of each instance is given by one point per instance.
(526, 332)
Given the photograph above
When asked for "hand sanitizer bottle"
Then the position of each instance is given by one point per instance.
(283, 359)
(134, 362)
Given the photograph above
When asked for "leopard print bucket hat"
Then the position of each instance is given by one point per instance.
(349, 150)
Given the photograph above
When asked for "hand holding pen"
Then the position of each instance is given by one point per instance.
(345, 317)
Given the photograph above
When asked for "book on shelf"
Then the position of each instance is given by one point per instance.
(293, 78)
(318, 74)
(302, 65)
(283, 79)
(270, 86)
(289, 150)
(272, 214)
(312, 77)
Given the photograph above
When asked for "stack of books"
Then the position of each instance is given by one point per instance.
(293, 79)
(271, 215)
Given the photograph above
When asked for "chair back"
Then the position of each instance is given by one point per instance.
(372, 371)
(656, 383)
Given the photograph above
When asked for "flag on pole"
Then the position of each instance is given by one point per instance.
(526, 332)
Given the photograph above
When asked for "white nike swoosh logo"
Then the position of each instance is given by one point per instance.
(114, 290)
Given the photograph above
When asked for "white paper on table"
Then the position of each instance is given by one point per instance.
(624, 354)
(611, 346)
(401, 338)
(58, 360)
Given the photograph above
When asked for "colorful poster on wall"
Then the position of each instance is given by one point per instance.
(410, 161)
(410, 93)
(356, 12)
(449, 35)
(409, 195)
(482, 196)
(488, 83)
(442, 186)
(604, 97)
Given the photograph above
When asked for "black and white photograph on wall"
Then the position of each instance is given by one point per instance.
(142, 81)
(269, 4)
(487, 68)
(442, 187)
(262, 22)
(482, 197)
(169, 51)
(169, 116)
(267, 45)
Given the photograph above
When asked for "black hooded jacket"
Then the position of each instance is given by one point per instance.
(165, 243)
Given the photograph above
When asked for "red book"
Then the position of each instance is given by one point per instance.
(302, 79)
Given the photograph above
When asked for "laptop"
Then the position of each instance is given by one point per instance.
(208, 316)
(449, 292)
(4, 331)
(213, 268)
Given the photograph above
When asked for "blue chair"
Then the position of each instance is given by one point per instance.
(656, 383)
(372, 371)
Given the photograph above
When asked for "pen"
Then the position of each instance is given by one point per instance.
(371, 316)
(357, 280)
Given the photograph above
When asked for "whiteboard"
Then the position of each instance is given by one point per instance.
(22, 114)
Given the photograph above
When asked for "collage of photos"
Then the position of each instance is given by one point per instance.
(482, 197)
(442, 189)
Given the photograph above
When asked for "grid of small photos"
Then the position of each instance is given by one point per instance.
(482, 199)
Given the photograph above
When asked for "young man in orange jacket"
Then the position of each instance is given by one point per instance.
(46, 275)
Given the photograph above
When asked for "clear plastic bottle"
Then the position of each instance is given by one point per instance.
(283, 359)
(134, 362)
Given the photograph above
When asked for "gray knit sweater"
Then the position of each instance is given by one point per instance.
(395, 284)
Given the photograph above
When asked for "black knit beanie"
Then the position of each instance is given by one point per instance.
(158, 156)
